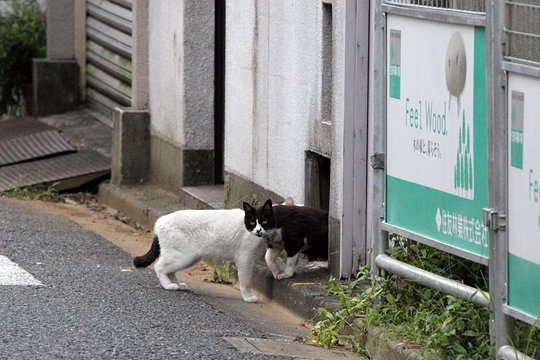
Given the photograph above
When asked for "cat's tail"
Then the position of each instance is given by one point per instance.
(150, 256)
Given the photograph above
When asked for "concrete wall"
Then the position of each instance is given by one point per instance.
(58, 79)
(273, 105)
(181, 68)
(166, 27)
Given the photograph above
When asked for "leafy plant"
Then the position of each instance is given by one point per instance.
(526, 338)
(22, 37)
(38, 192)
(444, 326)
(222, 272)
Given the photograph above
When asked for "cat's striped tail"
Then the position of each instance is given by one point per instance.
(149, 257)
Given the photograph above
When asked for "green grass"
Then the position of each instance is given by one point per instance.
(222, 272)
(38, 192)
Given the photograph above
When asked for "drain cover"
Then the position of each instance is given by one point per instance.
(33, 146)
(33, 153)
(11, 129)
(285, 348)
(71, 171)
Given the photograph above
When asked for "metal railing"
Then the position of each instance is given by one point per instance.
(461, 5)
(437, 282)
(522, 31)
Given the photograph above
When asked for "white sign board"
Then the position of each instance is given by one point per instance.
(436, 132)
(524, 194)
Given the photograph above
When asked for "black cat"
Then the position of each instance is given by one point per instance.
(295, 229)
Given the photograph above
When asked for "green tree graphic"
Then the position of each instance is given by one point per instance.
(463, 169)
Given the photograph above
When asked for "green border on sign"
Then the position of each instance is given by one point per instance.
(524, 285)
(414, 207)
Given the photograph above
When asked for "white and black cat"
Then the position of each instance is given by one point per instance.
(185, 237)
(295, 229)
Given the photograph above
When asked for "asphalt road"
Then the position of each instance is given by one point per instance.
(93, 306)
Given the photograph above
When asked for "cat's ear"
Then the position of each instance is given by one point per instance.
(289, 201)
(247, 207)
(267, 205)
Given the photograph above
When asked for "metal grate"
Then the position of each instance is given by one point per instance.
(34, 153)
(21, 127)
(462, 5)
(69, 170)
(523, 31)
(33, 146)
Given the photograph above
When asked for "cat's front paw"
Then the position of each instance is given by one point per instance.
(284, 275)
(251, 299)
(174, 287)
(276, 274)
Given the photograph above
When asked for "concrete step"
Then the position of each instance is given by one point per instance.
(203, 197)
(143, 203)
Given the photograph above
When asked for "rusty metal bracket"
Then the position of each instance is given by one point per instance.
(377, 160)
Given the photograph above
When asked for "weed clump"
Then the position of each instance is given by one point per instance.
(440, 325)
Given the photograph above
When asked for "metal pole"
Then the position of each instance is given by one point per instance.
(433, 281)
(509, 353)
(500, 324)
(379, 237)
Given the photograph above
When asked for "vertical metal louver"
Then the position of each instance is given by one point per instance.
(523, 32)
(108, 54)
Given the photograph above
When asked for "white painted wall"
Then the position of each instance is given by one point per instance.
(240, 87)
(165, 24)
(181, 72)
(273, 93)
